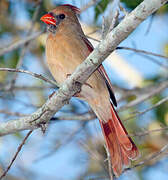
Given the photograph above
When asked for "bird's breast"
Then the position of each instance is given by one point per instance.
(64, 53)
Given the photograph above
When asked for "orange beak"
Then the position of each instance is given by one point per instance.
(48, 19)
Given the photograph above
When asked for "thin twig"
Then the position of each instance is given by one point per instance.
(4, 111)
(148, 109)
(25, 88)
(25, 47)
(16, 154)
(145, 96)
(64, 141)
(114, 20)
(104, 27)
(94, 154)
(88, 5)
(123, 10)
(39, 76)
(20, 43)
(150, 23)
(153, 156)
(165, 66)
(142, 51)
(109, 164)
(133, 49)
(148, 132)
(139, 92)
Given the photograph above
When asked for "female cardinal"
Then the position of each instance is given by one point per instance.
(66, 48)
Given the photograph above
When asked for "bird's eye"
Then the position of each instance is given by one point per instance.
(61, 16)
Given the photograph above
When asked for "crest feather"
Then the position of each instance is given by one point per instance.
(74, 8)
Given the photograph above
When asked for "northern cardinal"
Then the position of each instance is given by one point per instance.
(66, 48)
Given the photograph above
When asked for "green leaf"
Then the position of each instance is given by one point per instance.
(131, 3)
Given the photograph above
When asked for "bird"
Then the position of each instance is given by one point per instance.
(66, 48)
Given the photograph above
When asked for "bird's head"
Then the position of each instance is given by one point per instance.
(60, 14)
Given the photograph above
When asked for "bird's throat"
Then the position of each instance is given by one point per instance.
(51, 28)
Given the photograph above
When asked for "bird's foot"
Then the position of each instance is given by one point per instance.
(87, 84)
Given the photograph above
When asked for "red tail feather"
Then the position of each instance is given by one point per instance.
(120, 145)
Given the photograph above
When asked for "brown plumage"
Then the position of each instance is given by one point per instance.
(66, 48)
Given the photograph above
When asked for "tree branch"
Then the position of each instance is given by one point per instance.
(16, 154)
(39, 76)
(18, 44)
(73, 84)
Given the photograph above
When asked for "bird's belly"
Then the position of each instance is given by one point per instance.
(59, 72)
(62, 59)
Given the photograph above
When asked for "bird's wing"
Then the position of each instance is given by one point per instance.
(102, 72)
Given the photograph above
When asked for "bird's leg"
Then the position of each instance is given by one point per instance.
(68, 75)
(84, 83)
(78, 93)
